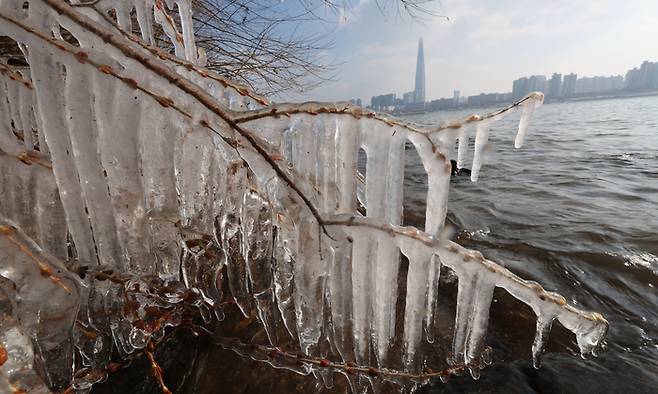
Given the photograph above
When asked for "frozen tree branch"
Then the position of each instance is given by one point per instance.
(134, 183)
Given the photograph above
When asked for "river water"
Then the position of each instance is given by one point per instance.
(575, 209)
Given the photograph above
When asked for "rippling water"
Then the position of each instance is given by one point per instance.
(577, 210)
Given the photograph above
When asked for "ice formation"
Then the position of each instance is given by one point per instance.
(131, 180)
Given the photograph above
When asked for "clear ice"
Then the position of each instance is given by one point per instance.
(158, 177)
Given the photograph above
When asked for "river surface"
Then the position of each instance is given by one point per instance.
(575, 209)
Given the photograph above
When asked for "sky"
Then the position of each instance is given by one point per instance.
(484, 45)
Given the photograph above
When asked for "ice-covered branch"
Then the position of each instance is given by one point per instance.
(143, 180)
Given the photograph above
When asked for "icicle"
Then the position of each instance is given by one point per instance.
(169, 28)
(325, 129)
(50, 215)
(285, 258)
(309, 283)
(533, 100)
(340, 296)
(38, 121)
(383, 188)
(385, 279)
(541, 336)
(196, 183)
(421, 267)
(346, 153)
(82, 130)
(236, 268)
(13, 96)
(474, 294)
(362, 292)
(481, 141)
(257, 235)
(185, 14)
(119, 155)
(51, 109)
(8, 143)
(122, 11)
(25, 112)
(158, 139)
(432, 286)
(144, 12)
(463, 145)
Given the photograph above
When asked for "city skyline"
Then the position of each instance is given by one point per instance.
(643, 78)
(484, 46)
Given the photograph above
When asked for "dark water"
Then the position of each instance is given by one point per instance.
(577, 210)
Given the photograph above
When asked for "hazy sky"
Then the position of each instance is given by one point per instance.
(487, 44)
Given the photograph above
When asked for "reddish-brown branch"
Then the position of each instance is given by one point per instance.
(155, 368)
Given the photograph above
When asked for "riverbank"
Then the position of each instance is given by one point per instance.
(606, 96)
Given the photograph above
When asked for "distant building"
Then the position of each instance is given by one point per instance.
(419, 85)
(383, 102)
(569, 85)
(442, 103)
(409, 98)
(642, 78)
(520, 88)
(489, 98)
(596, 85)
(356, 102)
(537, 83)
(555, 86)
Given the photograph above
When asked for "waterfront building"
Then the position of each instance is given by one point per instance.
(357, 102)
(555, 86)
(489, 98)
(520, 87)
(536, 83)
(442, 103)
(569, 85)
(383, 102)
(409, 98)
(596, 85)
(643, 78)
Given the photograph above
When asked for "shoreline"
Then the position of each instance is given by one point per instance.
(548, 101)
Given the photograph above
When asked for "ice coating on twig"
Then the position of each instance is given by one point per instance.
(169, 179)
(528, 107)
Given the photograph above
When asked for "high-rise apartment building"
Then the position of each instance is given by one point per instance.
(645, 77)
(555, 86)
(569, 85)
(520, 87)
(537, 83)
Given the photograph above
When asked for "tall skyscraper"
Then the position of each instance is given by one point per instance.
(419, 87)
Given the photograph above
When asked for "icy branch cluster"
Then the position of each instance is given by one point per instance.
(132, 181)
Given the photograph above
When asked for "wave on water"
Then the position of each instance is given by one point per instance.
(643, 260)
